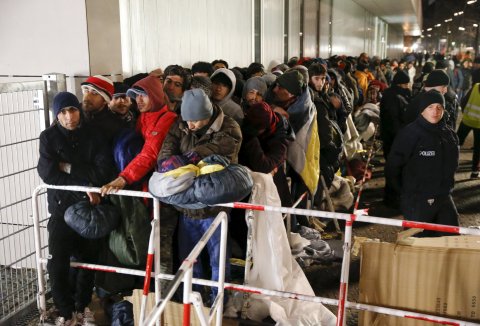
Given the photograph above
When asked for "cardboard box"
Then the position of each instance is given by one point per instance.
(437, 276)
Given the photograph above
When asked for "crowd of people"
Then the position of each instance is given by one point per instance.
(304, 122)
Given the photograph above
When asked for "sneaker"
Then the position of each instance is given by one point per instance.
(60, 321)
(474, 175)
(86, 318)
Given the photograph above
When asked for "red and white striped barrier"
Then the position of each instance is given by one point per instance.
(342, 302)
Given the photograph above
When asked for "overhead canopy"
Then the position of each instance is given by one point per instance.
(404, 13)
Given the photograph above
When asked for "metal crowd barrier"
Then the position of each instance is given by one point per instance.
(342, 302)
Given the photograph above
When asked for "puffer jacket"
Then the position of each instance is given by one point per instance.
(228, 106)
(87, 152)
(223, 137)
(153, 126)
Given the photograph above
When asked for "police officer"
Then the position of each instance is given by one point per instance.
(422, 165)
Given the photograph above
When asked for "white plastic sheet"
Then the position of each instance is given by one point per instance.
(274, 268)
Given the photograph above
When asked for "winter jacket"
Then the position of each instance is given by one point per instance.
(222, 136)
(423, 159)
(107, 122)
(153, 126)
(363, 79)
(87, 152)
(392, 109)
(228, 106)
(267, 152)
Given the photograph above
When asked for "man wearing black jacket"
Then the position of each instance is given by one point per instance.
(422, 164)
(71, 153)
(392, 107)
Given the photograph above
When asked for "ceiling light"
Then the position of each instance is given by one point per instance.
(475, 25)
(429, 35)
(460, 28)
(449, 32)
(448, 20)
(429, 29)
(471, 1)
(460, 12)
(438, 25)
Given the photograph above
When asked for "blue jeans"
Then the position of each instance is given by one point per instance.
(189, 233)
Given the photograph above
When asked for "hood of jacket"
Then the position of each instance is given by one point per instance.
(233, 79)
(154, 89)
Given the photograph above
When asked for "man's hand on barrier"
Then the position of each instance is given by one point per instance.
(114, 186)
(95, 198)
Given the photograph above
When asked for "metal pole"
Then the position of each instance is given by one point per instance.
(156, 250)
(148, 272)
(41, 302)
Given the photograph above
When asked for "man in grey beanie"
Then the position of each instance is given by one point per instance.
(253, 91)
(202, 130)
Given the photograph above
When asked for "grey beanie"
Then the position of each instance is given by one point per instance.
(255, 83)
(196, 105)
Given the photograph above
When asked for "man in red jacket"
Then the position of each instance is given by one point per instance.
(153, 124)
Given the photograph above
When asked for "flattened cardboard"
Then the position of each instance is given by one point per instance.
(438, 276)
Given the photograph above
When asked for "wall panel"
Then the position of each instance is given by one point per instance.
(272, 31)
(294, 29)
(348, 28)
(325, 10)
(159, 33)
(310, 39)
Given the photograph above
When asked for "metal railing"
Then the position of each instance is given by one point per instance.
(24, 114)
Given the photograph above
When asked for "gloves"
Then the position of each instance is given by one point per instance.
(176, 161)
(171, 163)
(192, 157)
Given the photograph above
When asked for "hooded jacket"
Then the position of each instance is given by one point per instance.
(228, 106)
(222, 136)
(153, 126)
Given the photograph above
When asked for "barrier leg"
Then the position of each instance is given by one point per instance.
(187, 290)
(41, 302)
(156, 250)
(248, 262)
(342, 294)
(148, 271)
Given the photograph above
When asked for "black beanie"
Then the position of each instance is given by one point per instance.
(401, 77)
(427, 67)
(431, 97)
(292, 81)
(438, 77)
(64, 100)
(221, 78)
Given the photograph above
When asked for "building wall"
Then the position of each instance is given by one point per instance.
(75, 37)
(158, 33)
(115, 37)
